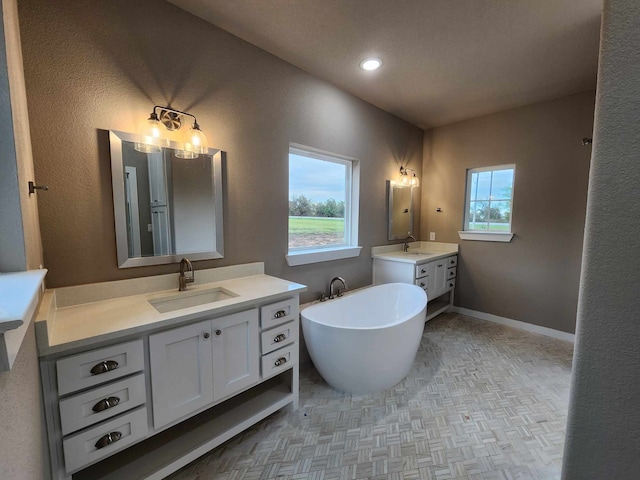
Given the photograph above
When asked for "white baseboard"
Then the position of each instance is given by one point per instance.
(529, 327)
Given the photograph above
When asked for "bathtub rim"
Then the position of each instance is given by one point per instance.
(407, 317)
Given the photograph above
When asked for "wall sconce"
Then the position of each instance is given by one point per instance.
(408, 177)
(152, 139)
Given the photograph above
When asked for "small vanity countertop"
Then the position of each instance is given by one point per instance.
(64, 328)
(419, 252)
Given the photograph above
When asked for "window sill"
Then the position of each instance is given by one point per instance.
(486, 236)
(305, 257)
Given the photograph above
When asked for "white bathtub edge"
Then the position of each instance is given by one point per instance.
(529, 327)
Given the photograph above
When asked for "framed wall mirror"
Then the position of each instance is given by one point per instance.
(400, 198)
(165, 207)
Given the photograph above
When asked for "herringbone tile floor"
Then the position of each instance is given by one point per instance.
(482, 401)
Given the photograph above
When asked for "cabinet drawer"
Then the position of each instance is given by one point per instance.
(279, 337)
(451, 272)
(277, 313)
(99, 366)
(81, 450)
(100, 403)
(452, 261)
(280, 360)
(422, 270)
(451, 284)
(422, 282)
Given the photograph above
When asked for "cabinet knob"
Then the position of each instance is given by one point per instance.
(279, 338)
(108, 439)
(422, 270)
(105, 404)
(206, 335)
(280, 361)
(218, 332)
(280, 314)
(104, 367)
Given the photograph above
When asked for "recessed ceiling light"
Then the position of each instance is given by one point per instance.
(370, 64)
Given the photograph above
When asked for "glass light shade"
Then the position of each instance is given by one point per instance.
(195, 141)
(414, 181)
(185, 154)
(151, 137)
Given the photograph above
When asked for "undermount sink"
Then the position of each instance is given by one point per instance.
(191, 299)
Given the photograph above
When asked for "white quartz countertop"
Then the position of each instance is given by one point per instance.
(87, 324)
(419, 252)
(18, 291)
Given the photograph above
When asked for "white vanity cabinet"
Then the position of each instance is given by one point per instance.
(435, 276)
(195, 365)
(153, 402)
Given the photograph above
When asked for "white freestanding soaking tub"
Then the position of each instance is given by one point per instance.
(366, 341)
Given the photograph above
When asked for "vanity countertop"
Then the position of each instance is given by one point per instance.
(419, 252)
(62, 328)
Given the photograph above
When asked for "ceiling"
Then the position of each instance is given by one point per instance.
(443, 60)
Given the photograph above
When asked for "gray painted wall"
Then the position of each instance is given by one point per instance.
(103, 65)
(603, 430)
(12, 249)
(23, 452)
(535, 277)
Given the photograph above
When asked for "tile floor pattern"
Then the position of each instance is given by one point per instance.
(482, 401)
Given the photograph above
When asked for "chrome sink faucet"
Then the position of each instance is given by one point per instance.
(184, 279)
(333, 291)
(405, 245)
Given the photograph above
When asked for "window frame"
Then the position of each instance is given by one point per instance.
(320, 253)
(486, 235)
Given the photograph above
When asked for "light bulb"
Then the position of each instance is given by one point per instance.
(370, 64)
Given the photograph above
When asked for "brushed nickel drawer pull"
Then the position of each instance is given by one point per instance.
(280, 361)
(280, 314)
(104, 367)
(279, 338)
(108, 439)
(105, 404)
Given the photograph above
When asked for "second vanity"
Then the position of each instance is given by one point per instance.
(140, 379)
(430, 265)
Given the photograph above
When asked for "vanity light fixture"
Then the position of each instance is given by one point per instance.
(370, 64)
(408, 177)
(152, 137)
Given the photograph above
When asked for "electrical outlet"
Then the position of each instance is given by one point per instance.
(149, 227)
(432, 235)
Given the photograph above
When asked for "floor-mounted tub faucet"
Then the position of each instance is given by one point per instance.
(184, 279)
(333, 291)
(405, 245)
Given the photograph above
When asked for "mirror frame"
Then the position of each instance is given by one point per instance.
(119, 207)
(390, 185)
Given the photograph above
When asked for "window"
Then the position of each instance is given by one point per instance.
(323, 206)
(489, 202)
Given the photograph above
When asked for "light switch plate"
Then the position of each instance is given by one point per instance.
(149, 227)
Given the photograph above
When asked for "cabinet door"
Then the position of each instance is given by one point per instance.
(181, 371)
(236, 362)
(161, 230)
(437, 278)
(157, 179)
